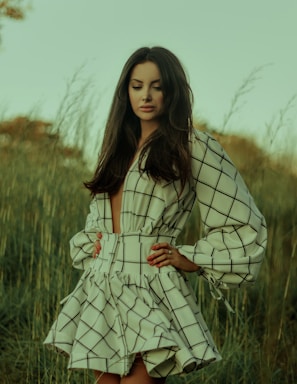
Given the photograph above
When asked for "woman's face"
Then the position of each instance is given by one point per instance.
(145, 92)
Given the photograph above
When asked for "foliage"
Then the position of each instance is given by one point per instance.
(12, 9)
(43, 203)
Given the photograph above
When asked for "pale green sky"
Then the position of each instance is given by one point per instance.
(219, 42)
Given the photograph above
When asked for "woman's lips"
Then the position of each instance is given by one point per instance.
(148, 108)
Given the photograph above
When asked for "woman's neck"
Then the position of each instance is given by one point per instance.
(147, 128)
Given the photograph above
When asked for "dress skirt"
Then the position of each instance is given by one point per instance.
(122, 306)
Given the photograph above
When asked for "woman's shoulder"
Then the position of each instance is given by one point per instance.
(202, 142)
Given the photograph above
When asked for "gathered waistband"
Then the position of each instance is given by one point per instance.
(128, 252)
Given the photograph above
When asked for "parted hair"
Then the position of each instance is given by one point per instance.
(166, 151)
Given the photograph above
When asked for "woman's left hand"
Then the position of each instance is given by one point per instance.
(165, 254)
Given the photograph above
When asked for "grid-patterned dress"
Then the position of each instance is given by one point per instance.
(121, 305)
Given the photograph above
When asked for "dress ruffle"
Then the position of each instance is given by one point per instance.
(110, 317)
(122, 306)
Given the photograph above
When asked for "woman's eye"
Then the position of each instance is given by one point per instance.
(136, 87)
(158, 88)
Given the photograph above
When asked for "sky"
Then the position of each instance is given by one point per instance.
(223, 46)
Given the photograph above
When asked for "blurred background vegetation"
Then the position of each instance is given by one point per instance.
(43, 203)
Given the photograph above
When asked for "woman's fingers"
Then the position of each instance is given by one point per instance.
(165, 254)
(159, 261)
(97, 245)
(160, 246)
(162, 256)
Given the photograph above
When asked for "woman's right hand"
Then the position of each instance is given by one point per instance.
(97, 245)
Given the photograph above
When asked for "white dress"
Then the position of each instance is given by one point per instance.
(121, 305)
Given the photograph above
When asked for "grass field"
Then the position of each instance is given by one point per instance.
(43, 203)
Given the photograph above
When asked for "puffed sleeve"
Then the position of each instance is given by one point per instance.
(231, 250)
(82, 243)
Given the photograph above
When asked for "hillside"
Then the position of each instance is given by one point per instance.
(33, 135)
(23, 134)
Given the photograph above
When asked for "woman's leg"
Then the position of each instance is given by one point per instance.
(106, 378)
(139, 375)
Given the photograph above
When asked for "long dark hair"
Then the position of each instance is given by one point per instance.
(167, 149)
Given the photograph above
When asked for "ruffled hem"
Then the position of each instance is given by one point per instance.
(108, 319)
(161, 362)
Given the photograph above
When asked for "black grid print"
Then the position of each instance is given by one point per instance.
(122, 306)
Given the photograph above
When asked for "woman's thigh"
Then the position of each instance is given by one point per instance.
(139, 375)
(106, 378)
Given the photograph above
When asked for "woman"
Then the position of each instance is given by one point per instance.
(133, 316)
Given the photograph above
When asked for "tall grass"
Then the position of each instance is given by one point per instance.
(42, 204)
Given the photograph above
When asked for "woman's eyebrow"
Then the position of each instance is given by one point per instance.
(152, 82)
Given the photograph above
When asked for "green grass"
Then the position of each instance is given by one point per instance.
(43, 203)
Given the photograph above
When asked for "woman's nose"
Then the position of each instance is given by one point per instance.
(146, 96)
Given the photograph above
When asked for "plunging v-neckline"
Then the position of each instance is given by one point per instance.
(121, 191)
